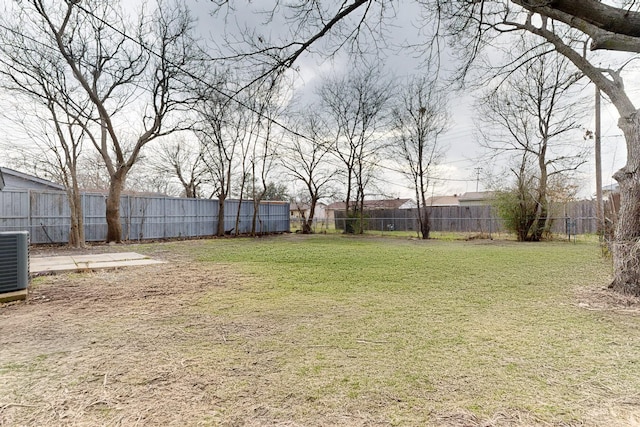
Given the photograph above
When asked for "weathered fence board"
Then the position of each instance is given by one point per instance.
(46, 215)
(574, 217)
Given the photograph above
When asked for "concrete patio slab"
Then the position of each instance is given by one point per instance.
(119, 256)
(70, 263)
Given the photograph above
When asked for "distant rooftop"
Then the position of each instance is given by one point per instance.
(443, 201)
(377, 204)
(13, 179)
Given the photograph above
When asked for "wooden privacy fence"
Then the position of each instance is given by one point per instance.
(570, 218)
(46, 215)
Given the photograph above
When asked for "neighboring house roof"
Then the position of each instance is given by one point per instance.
(476, 198)
(443, 201)
(378, 204)
(15, 180)
(299, 207)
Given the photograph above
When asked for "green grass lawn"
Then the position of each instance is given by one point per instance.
(410, 331)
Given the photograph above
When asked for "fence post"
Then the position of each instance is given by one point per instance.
(128, 217)
(29, 216)
(84, 215)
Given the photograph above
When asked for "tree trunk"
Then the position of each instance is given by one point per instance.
(76, 231)
(626, 245)
(348, 219)
(237, 227)
(307, 225)
(425, 224)
(424, 216)
(254, 218)
(74, 237)
(220, 230)
(360, 205)
(114, 226)
(542, 204)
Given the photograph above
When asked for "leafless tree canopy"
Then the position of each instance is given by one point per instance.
(420, 116)
(305, 160)
(355, 106)
(534, 118)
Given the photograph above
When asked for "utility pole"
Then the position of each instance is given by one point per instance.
(599, 205)
(478, 178)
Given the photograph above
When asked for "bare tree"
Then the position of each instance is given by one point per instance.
(179, 160)
(48, 109)
(531, 118)
(419, 118)
(304, 159)
(119, 71)
(222, 131)
(56, 154)
(354, 106)
(264, 141)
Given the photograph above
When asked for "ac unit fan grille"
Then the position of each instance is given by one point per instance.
(8, 261)
(14, 261)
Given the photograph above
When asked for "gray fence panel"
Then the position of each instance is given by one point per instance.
(95, 223)
(273, 217)
(240, 212)
(580, 216)
(14, 211)
(50, 217)
(208, 214)
(179, 217)
(46, 215)
(230, 212)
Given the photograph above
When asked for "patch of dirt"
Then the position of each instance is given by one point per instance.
(107, 348)
(603, 299)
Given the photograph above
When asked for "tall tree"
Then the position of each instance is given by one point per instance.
(419, 117)
(125, 69)
(304, 159)
(50, 108)
(354, 106)
(221, 129)
(535, 118)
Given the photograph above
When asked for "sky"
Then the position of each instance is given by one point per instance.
(464, 167)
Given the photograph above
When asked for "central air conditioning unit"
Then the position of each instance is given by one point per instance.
(14, 261)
